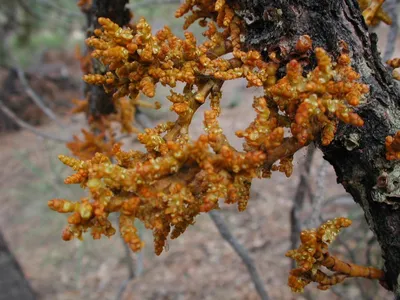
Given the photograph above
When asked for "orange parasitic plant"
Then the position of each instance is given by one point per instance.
(177, 178)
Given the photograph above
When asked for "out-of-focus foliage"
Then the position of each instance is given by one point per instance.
(32, 26)
(29, 27)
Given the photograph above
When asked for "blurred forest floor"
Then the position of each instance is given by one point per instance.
(199, 264)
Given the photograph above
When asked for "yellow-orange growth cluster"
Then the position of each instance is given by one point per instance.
(84, 4)
(91, 143)
(176, 179)
(394, 63)
(102, 128)
(392, 144)
(373, 13)
(313, 254)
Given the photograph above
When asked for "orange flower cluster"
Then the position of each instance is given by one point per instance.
(392, 144)
(176, 179)
(313, 254)
(373, 13)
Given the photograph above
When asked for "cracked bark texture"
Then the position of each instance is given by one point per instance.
(100, 102)
(357, 154)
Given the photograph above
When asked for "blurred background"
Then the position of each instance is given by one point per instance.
(41, 48)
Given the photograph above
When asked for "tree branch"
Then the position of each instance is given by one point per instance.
(391, 7)
(30, 128)
(241, 251)
(36, 98)
(318, 198)
(298, 200)
(357, 153)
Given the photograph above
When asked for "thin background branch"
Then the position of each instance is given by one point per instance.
(29, 91)
(36, 98)
(241, 251)
(298, 199)
(131, 270)
(29, 127)
(318, 199)
(391, 7)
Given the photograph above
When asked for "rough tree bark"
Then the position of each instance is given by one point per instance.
(13, 284)
(100, 102)
(357, 154)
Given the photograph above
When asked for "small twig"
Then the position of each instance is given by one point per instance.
(391, 7)
(298, 199)
(57, 179)
(134, 270)
(131, 270)
(241, 251)
(36, 98)
(353, 258)
(139, 264)
(139, 267)
(122, 289)
(30, 128)
(30, 92)
(129, 261)
(318, 199)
